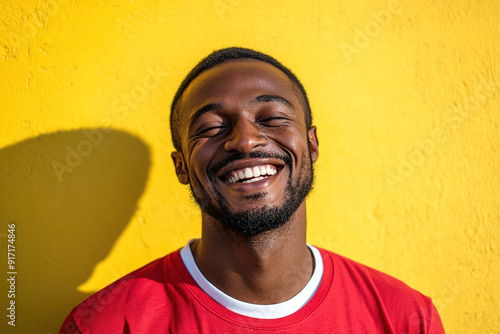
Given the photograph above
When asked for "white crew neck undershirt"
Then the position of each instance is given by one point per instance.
(272, 311)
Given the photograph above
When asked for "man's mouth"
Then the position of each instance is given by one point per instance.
(251, 174)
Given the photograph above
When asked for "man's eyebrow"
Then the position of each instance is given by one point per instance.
(272, 98)
(204, 109)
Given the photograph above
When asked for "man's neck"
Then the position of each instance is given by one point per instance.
(266, 269)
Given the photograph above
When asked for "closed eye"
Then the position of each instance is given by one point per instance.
(274, 121)
(210, 131)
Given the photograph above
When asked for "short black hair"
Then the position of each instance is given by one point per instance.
(221, 56)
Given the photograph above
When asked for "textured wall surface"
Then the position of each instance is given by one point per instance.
(405, 95)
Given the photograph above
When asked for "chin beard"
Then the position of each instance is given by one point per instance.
(253, 222)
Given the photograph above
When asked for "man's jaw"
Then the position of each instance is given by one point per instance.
(252, 208)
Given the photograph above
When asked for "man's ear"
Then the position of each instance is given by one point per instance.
(313, 143)
(180, 167)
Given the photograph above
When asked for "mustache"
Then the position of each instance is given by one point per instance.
(212, 170)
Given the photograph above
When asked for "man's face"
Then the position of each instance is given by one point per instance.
(246, 152)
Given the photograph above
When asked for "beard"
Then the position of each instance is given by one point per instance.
(253, 222)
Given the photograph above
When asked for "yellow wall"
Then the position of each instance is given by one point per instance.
(405, 95)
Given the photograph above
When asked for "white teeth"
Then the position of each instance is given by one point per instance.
(256, 171)
(248, 173)
(252, 174)
(254, 179)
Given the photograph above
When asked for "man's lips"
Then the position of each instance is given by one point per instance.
(240, 168)
(249, 170)
(251, 174)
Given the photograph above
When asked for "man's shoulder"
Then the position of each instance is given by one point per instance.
(132, 293)
(376, 292)
(346, 267)
(351, 270)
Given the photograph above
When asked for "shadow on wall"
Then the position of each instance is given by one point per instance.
(70, 195)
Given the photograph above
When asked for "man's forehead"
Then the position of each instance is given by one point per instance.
(225, 78)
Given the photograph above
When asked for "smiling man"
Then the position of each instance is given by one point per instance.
(242, 129)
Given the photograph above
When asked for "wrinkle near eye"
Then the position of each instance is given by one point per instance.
(210, 131)
(205, 122)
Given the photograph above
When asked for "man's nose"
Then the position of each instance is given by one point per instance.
(244, 137)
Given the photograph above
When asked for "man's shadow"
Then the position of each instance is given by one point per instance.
(70, 195)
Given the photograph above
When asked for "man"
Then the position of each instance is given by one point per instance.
(242, 129)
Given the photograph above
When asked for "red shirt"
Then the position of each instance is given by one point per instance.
(162, 297)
